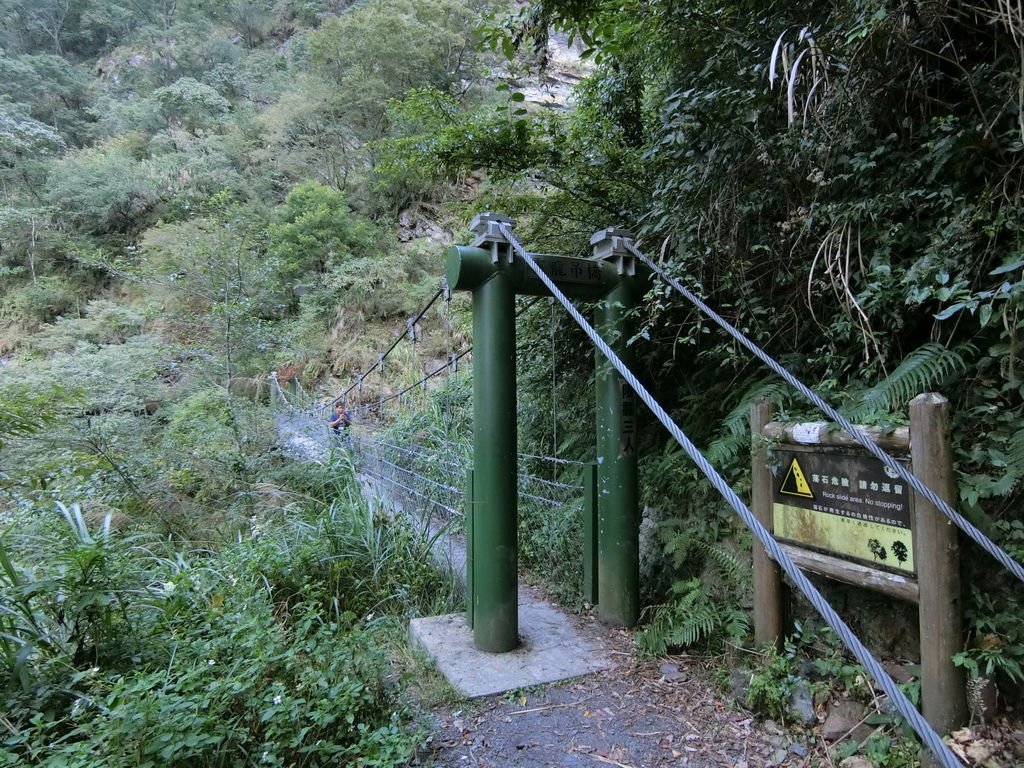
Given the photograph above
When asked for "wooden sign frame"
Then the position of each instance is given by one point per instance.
(936, 590)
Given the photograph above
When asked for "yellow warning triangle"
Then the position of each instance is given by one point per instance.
(796, 483)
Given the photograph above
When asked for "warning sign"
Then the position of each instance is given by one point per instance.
(844, 503)
(795, 483)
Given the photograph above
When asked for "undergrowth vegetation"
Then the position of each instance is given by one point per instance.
(117, 648)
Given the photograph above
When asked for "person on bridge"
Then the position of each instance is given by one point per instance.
(340, 419)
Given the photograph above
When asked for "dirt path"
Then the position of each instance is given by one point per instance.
(640, 715)
(654, 714)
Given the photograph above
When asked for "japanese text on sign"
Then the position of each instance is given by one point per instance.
(566, 269)
(843, 503)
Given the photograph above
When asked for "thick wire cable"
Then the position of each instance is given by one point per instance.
(429, 456)
(365, 407)
(543, 500)
(418, 454)
(392, 481)
(961, 522)
(409, 433)
(395, 343)
(552, 459)
(417, 475)
(914, 718)
(551, 483)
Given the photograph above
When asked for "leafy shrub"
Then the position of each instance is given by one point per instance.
(40, 301)
(355, 52)
(216, 443)
(263, 652)
(191, 104)
(103, 322)
(771, 684)
(242, 687)
(103, 190)
(996, 642)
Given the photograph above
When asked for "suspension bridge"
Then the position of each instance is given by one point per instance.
(483, 486)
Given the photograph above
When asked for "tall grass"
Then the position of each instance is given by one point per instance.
(269, 649)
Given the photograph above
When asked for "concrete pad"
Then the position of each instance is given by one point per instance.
(551, 649)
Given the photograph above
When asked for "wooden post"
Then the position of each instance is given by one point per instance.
(936, 553)
(768, 594)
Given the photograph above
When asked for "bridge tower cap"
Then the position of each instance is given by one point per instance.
(610, 233)
(613, 245)
(485, 227)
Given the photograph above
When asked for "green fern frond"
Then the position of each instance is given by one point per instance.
(737, 422)
(735, 427)
(736, 625)
(925, 368)
(690, 618)
(1015, 455)
(688, 628)
(730, 566)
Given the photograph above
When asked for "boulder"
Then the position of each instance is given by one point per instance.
(845, 717)
(801, 703)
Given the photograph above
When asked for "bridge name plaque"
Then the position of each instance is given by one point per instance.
(567, 269)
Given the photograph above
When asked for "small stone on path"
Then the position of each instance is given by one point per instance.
(843, 717)
(672, 674)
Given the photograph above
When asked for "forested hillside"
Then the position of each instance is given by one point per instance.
(193, 195)
(197, 193)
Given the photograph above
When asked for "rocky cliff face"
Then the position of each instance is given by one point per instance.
(553, 86)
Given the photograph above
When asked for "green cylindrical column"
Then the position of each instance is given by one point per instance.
(618, 581)
(495, 508)
(468, 510)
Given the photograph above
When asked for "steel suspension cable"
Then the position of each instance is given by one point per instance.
(961, 522)
(429, 376)
(424, 478)
(392, 481)
(461, 466)
(544, 500)
(914, 718)
(436, 372)
(394, 344)
(552, 459)
(419, 454)
(551, 483)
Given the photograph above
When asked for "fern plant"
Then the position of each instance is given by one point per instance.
(734, 431)
(694, 613)
(925, 368)
(688, 617)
